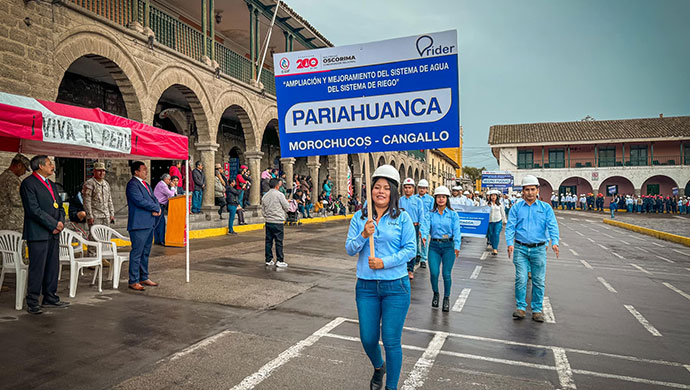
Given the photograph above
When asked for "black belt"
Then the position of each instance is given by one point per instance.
(442, 239)
(530, 245)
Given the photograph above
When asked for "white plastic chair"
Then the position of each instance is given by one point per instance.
(77, 263)
(104, 235)
(12, 262)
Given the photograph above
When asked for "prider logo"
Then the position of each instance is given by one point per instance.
(305, 63)
(425, 47)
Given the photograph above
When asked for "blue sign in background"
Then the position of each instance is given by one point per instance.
(370, 139)
(474, 220)
(497, 180)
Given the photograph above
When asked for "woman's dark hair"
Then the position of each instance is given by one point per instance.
(447, 204)
(174, 178)
(496, 202)
(393, 209)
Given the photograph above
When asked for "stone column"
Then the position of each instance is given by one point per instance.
(314, 173)
(254, 163)
(289, 168)
(638, 191)
(357, 183)
(207, 151)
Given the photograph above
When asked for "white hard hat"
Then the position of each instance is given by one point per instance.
(388, 172)
(466, 193)
(530, 180)
(408, 181)
(476, 192)
(457, 188)
(423, 183)
(442, 190)
(519, 195)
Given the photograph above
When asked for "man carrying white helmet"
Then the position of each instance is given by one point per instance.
(526, 235)
(428, 202)
(412, 205)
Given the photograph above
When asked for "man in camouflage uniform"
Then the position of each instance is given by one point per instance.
(98, 201)
(11, 208)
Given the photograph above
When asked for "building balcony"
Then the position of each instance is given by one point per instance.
(418, 154)
(665, 160)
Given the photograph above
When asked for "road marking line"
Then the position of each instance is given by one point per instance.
(625, 242)
(657, 244)
(548, 311)
(483, 256)
(573, 252)
(207, 341)
(606, 284)
(687, 367)
(426, 361)
(681, 252)
(643, 321)
(264, 372)
(679, 291)
(564, 244)
(665, 259)
(476, 272)
(632, 379)
(460, 303)
(575, 219)
(687, 269)
(565, 372)
(617, 255)
(641, 269)
(602, 247)
(606, 227)
(586, 264)
(594, 230)
(590, 240)
(607, 235)
(641, 249)
(578, 233)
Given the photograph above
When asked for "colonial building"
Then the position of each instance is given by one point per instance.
(632, 156)
(189, 67)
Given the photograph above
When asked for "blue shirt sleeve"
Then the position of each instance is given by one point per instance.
(552, 226)
(408, 244)
(457, 231)
(355, 242)
(425, 224)
(510, 226)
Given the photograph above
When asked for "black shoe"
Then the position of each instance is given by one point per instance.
(423, 265)
(446, 304)
(376, 382)
(56, 305)
(34, 310)
(434, 301)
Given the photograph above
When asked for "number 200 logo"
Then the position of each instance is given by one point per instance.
(305, 63)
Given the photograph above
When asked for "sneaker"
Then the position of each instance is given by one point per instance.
(538, 317)
(57, 305)
(434, 300)
(281, 264)
(518, 314)
(423, 264)
(34, 310)
(269, 263)
(377, 379)
(446, 304)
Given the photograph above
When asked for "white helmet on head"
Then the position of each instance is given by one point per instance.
(466, 193)
(519, 195)
(388, 172)
(423, 183)
(529, 180)
(408, 182)
(456, 188)
(442, 190)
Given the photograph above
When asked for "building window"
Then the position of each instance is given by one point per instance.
(686, 158)
(525, 159)
(556, 159)
(607, 157)
(638, 155)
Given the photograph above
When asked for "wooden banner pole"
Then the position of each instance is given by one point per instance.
(367, 188)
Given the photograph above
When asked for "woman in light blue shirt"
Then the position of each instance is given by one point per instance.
(383, 287)
(442, 225)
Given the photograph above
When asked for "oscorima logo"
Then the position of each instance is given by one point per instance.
(284, 63)
(426, 48)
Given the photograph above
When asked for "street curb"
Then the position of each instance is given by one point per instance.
(650, 232)
(217, 232)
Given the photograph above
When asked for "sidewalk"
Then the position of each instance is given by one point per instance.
(668, 223)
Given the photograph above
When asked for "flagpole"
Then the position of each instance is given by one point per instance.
(186, 212)
(367, 188)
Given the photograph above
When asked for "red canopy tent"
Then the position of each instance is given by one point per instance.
(33, 126)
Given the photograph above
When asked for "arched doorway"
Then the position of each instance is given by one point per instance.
(659, 185)
(687, 189)
(615, 185)
(231, 139)
(270, 146)
(382, 161)
(545, 190)
(574, 185)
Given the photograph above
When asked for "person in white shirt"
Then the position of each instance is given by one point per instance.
(554, 200)
(465, 199)
(563, 203)
(497, 217)
(583, 202)
(456, 199)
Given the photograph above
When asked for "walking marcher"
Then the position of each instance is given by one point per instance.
(10, 200)
(143, 211)
(44, 220)
(415, 208)
(554, 200)
(613, 206)
(98, 202)
(199, 185)
(383, 288)
(442, 225)
(455, 198)
(497, 217)
(428, 202)
(163, 192)
(274, 206)
(528, 224)
(232, 198)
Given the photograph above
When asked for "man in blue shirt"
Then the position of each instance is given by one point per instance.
(412, 205)
(530, 226)
(428, 202)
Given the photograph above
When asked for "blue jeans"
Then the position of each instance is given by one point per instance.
(232, 211)
(629, 208)
(411, 263)
(381, 309)
(139, 255)
(613, 211)
(529, 260)
(441, 254)
(495, 233)
(197, 196)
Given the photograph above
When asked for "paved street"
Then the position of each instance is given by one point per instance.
(617, 318)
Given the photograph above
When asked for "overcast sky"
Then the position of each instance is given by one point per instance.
(537, 60)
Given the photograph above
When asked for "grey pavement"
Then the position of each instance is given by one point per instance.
(669, 223)
(618, 311)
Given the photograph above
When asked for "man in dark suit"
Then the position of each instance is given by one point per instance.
(143, 210)
(44, 219)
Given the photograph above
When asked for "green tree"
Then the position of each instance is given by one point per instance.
(473, 173)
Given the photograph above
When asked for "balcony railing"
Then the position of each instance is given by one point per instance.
(179, 36)
(418, 154)
(663, 160)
